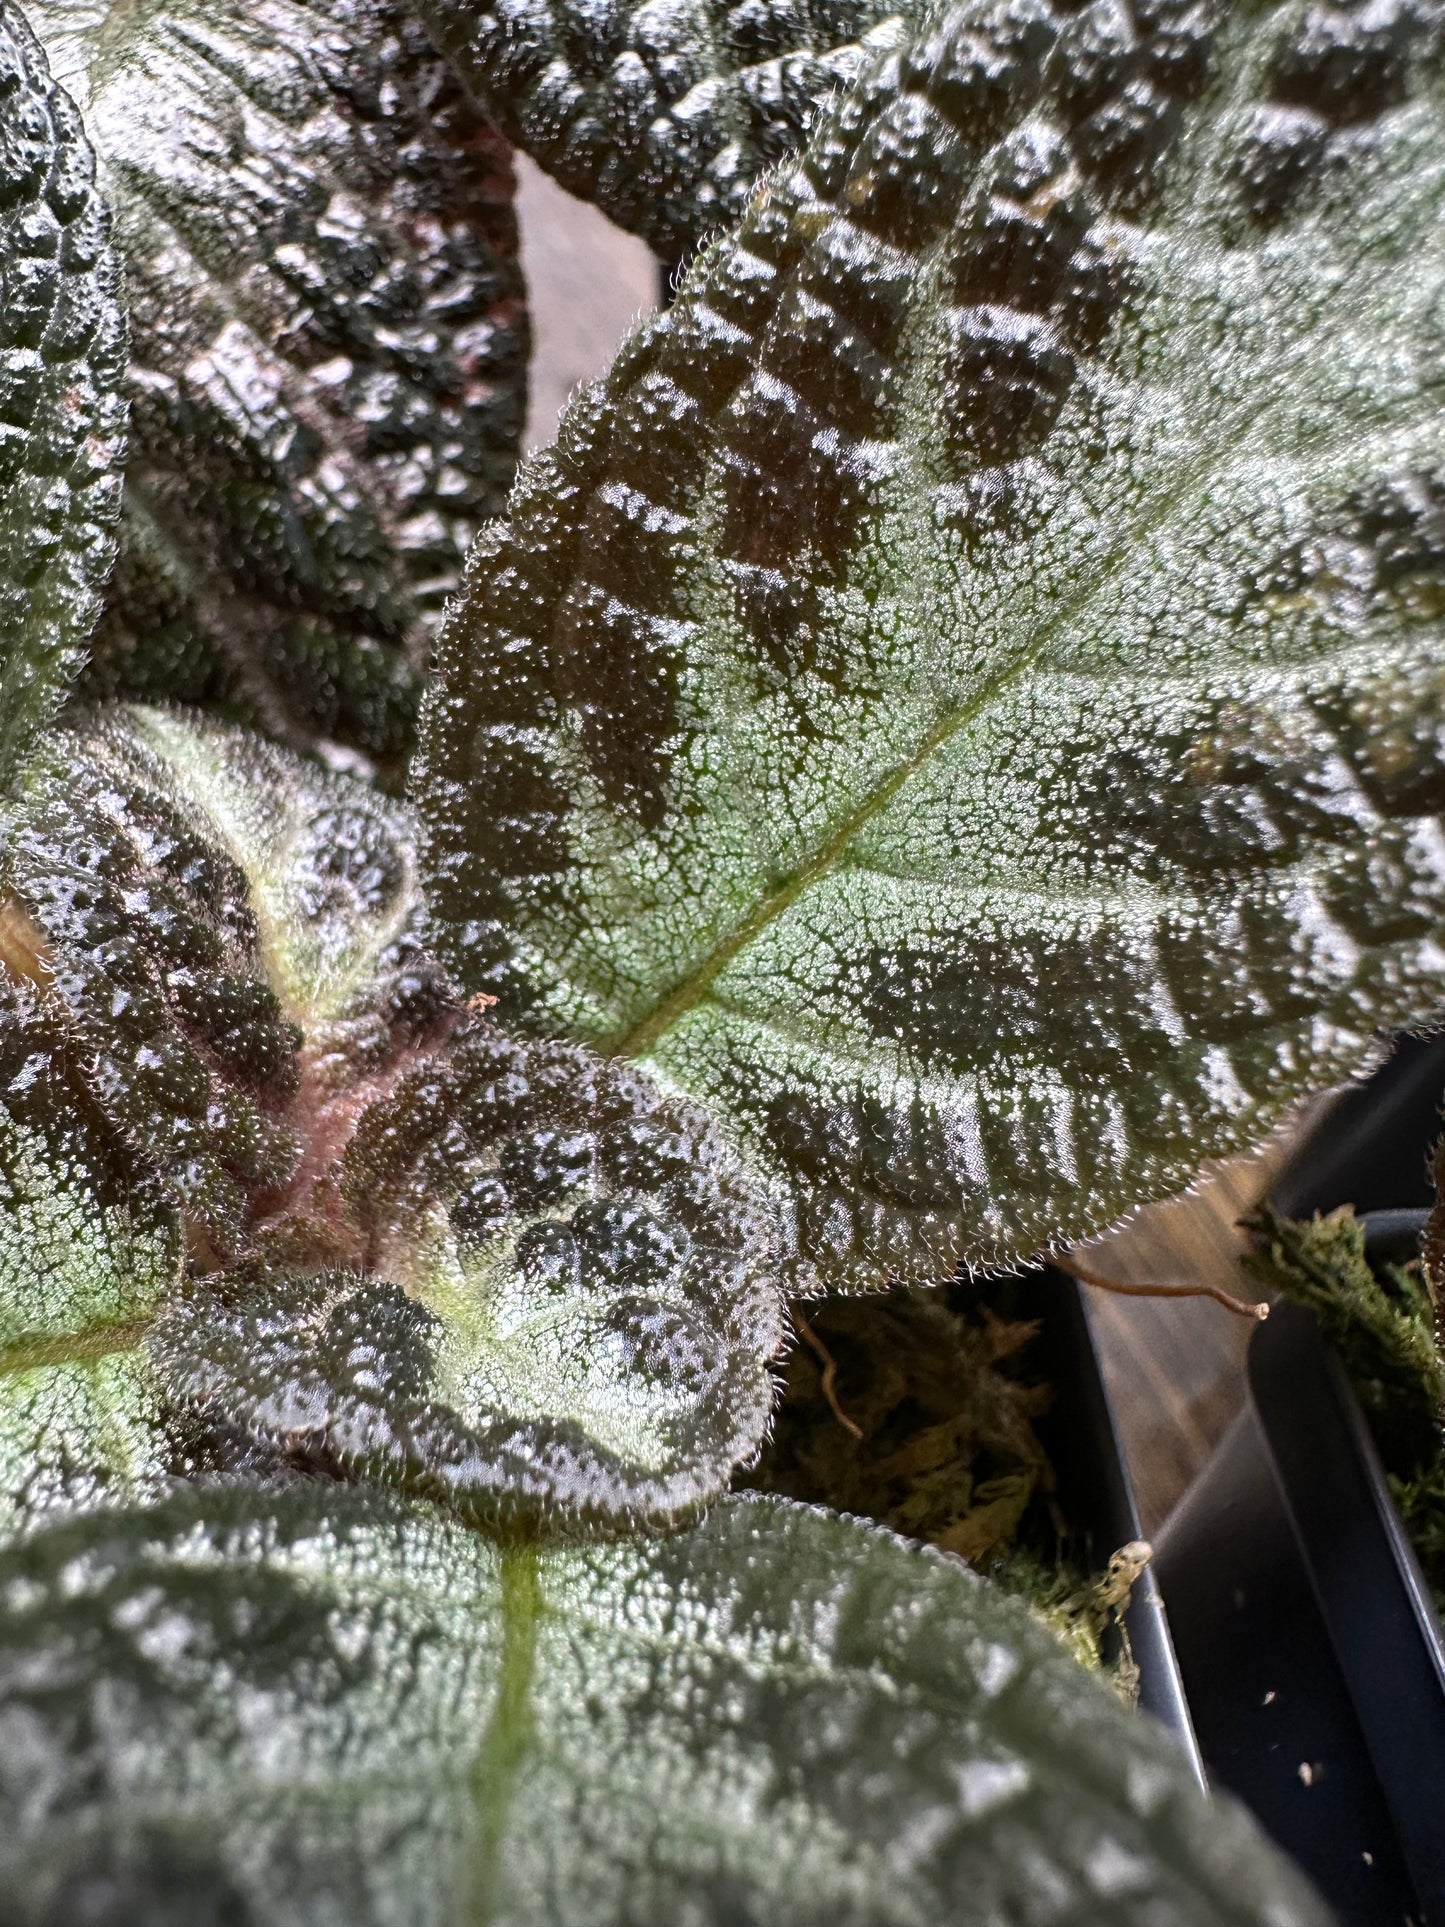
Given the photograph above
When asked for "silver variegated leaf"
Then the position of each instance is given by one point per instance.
(504, 1275)
(89, 1246)
(234, 938)
(566, 1317)
(963, 699)
(327, 1707)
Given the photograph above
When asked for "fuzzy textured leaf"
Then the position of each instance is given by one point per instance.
(663, 112)
(234, 936)
(964, 697)
(568, 1310)
(62, 416)
(89, 1244)
(206, 951)
(329, 350)
(777, 1717)
(502, 1274)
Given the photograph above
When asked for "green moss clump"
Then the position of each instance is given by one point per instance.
(917, 1407)
(902, 1408)
(1381, 1319)
(1084, 1611)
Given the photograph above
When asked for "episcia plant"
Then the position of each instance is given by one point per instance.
(328, 342)
(948, 740)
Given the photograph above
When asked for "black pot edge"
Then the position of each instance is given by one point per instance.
(1339, 1157)
(1297, 1455)
(1098, 1490)
(1371, 1150)
(1307, 1647)
(1372, 1595)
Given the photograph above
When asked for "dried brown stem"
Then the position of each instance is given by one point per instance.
(830, 1372)
(24, 952)
(1242, 1307)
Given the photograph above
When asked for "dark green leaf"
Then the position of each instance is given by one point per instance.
(502, 1274)
(329, 348)
(321, 1708)
(664, 115)
(62, 417)
(964, 697)
(569, 1310)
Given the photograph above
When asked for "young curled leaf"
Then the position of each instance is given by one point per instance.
(328, 377)
(209, 954)
(62, 416)
(234, 937)
(323, 1706)
(566, 1316)
(664, 116)
(502, 1274)
(965, 697)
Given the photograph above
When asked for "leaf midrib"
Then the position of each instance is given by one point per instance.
(510, 1731)
(639, 1040)
(643, 1035)
(73, 1348)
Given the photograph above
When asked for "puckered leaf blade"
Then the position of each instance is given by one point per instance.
(328, 376)
(568, 1310)
(664, 116)
(232, 933)
(62, 415)
(89, 1245)
(777, 1717)
(212, 951)
(502, 1274)
(964, 697)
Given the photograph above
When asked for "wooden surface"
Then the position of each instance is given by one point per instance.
(1174, 1366)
